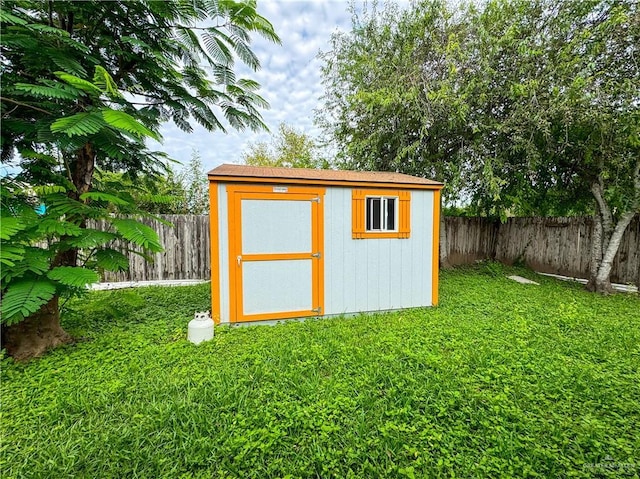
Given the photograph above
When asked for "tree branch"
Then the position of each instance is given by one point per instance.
(15, 102)
(605, 212)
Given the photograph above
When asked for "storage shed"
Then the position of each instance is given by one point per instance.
(292, 243)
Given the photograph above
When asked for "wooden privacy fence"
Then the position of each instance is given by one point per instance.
(548, 245)
(186, 252)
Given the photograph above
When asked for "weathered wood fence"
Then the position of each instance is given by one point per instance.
(549, 245)
(186, 252)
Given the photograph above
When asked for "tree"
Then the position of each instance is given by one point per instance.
(158, 194)
(568, 126)
(195, 185)
(520, 107)
(288, 148)
(172, 192)
(84, 83)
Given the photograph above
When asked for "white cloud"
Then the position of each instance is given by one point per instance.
(289, 79)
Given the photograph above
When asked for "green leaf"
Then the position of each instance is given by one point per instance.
(6, 17)
(105, 82)
(90, 238)
(79, 124)
(68, 64)
(47, 29)
(138, 234)
(99, 196)
(10, 254)
(73, 276)
(59, 228)
(123, 121)
(79, 83)
(46, 91)
(24, 298)
(135, 42)
(63, 205)
(36, 260)
(112, 260)
(46, 190)
(9, 226)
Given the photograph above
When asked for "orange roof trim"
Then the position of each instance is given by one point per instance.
(264, 174)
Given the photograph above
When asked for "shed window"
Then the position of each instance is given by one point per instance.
(381, 214)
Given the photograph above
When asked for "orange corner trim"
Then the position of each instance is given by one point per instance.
(435, 261)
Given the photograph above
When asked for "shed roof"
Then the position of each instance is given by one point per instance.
(268, 174)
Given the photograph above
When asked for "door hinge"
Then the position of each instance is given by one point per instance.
(317, 310)
(316, 200)
(317, 255)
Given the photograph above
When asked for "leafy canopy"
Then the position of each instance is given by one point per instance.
(288, 148)
(518, 105)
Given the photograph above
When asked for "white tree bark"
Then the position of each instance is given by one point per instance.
(611, 248)
(596, 249)
(607, 235)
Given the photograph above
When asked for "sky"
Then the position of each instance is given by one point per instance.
(290, 80)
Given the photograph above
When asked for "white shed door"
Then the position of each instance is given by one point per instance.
(276, 254)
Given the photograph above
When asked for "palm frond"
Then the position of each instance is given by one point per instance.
(24, 298)
(35, 260)
(67, 64)
(100, 196)
(10, 254)
(90, 238)
(138, 233)
(111, 260)
(216, 48)
(78, 83)
(45, 190)
(7, 18)
(79, 124)
(105, 82)
(123, 121)
(57, 227)
(43, 91)
(73, 276)
(9, 226)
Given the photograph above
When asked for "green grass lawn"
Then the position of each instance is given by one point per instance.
(500, 380)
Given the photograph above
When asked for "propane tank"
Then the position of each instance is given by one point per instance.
(200, 328)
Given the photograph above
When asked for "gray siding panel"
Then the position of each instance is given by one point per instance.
(376, 274)
(223, 227)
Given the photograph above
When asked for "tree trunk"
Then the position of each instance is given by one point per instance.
(596, 250)
(36, 334)
(42, 330)
(606, 238)
(602, 282)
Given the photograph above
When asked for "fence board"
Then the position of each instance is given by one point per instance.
(548, 245)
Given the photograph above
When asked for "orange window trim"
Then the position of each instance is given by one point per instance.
(215, 251)
(358, 214)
